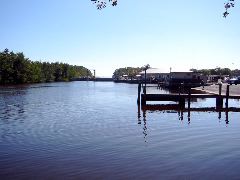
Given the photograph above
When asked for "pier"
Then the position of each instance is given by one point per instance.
(182, 98)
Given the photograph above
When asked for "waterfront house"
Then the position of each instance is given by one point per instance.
(154, 74)
(215, 78)
(187, 78)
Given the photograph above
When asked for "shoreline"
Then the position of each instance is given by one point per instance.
(214, 89)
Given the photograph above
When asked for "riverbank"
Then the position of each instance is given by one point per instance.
(214, 89)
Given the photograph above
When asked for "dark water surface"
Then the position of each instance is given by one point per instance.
(87, 130)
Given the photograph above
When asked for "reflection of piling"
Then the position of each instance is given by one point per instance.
(139, 115)
(219, 115)
(219, 99)
(227, 121)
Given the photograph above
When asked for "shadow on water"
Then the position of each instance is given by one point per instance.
(174, 108)
(144, 122)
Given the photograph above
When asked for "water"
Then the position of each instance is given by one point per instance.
(87, 130)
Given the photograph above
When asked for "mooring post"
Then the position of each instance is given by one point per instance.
(143, 100)
(179, 90)
(219, 99)
(189, 98)
(139, 92)
(144, 90)
(220, 89)
(181, 102)
(227, 96)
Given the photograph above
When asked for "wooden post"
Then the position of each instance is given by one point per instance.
(227, 96)
(143, 100)
(219, 102)
(139, 92)
(144, 90)
(189, 97)
(189, 103)
(220, 89)
(219, 99)
(181, 102)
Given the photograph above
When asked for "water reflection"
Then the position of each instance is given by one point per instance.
(144, 122)
(145, 126)
(174, 108)
(12, 102)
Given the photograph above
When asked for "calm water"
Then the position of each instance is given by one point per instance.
(87, 130)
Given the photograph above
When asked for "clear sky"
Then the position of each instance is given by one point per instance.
(178, 34)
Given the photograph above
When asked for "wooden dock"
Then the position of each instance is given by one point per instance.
(182, 98)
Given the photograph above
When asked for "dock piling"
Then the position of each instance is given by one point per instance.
(143, 100)
(227, 96)
(181, 98)
(139, 92)
(189, 97)
(220, 89)
(219, 98)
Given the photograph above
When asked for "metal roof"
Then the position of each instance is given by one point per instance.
(153, 71)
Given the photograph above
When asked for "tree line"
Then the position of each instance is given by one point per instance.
(15, 68)
(131, 72)
(217, 71)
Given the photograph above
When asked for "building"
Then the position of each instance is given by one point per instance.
(187, 79)
(154, 74)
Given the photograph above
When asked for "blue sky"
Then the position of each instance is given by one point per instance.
(178, 34)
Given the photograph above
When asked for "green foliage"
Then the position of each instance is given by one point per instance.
(16, 69)
(215, 71)
(101, 4)
(129, 71)
(229, 4)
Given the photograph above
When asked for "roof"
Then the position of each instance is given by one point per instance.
(182, 72)
(153, 71)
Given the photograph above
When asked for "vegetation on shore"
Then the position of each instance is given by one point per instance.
(217, 71)
(131, 72)
(15, 68)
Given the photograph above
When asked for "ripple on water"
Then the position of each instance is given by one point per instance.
(92, 130)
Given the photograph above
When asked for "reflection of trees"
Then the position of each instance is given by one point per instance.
(12, 103)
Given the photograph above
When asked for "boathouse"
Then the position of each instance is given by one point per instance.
(187, 78)
(154, 74)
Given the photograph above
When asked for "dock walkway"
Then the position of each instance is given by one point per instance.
(214, 89)
(218, 92)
